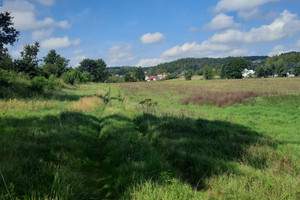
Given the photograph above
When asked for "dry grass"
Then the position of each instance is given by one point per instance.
(86, 104)
(223, 99)
(21, 105)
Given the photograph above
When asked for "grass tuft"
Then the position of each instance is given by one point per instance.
(86, 104)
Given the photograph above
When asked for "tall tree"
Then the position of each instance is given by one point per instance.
(55, 64)
(8, 34)
(280, 68)
(208, 73)
(234, 68)
(139, 74)
(29, 62)
(97, 69)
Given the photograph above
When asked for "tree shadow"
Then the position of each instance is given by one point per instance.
(50, 156)
(191, 150)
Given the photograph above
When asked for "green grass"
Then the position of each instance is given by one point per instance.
(163, 149)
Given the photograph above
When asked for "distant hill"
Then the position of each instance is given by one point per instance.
(177, 66)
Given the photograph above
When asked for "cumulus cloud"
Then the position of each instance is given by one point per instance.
(154, 38)
(234, 42)
(286, 25)
(59, 43)
(24, 14)
(237, 5)
(46, 2)
(120, 55)
(277, 50)
(221, 21)
(247, 9)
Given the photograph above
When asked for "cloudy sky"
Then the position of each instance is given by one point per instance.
(148, 32)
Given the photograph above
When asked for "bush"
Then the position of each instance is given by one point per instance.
(6, 78)
(53, 83)
(39, 83)
(188, 75)
(68, 78)
(115, 79)
(172, 76)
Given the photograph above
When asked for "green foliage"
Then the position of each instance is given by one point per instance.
(7, 63)
(260, 72)
(75, 76)
(280, 68)
(54, 64)
(96, 68)
(208, 73)
(172, 76)
(188, 74)
(139, 74)
(39, 83)
(29, 62)
(69, 77)
(297, 69)
(115, 79)
(128, 78)
(234, 68)
(8, 34)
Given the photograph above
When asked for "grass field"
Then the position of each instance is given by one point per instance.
(219, 139)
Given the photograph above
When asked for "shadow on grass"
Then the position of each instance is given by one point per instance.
(49, 157)
(77, 156)
(153, 148)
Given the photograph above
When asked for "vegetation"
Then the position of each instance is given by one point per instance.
(188, 75)
(219, 139)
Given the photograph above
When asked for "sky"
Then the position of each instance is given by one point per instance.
(148, 32)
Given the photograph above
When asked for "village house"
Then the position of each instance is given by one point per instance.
(248, 73)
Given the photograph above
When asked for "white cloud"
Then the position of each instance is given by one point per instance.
(75, 61)
(233, 42)
(154, 38)
(247, 9)
(47, 2)
(221, 21)
(120, 55)
(257, 14)
(24, 14)
(237, 5)
(59, 43)
(279, 49)
(286, 25)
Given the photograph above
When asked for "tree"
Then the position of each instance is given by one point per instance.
(234, 68)
(297, 69)
(128, 78)
(260, 72)
(208, 73)
(7, 63)
(280, 68)
(54, 64)
(139, 74)
(97, 69)
(188, 74)
(8, 34)
(29, 62)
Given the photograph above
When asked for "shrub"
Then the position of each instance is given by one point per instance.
(68, 78)
(53, 83)
(188, 75)
(38, 83)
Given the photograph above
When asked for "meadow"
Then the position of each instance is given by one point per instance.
(199, 139)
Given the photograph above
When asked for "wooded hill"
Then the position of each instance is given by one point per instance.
(177, 66)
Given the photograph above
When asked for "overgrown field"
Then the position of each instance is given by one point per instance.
(219, 139)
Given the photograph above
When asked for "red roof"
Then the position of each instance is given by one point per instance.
(152, 77)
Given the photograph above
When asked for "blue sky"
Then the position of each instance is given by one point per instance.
(148, 32)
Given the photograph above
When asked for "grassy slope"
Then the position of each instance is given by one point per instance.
(114, 147)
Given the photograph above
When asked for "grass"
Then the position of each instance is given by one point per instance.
(141, 141)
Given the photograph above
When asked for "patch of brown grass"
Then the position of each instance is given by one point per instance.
(86, 104)
(21, 105)
(223, 99)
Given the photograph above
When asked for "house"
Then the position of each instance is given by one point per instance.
(152, 78)
(161, 76)
(146, 78)
(247, 73)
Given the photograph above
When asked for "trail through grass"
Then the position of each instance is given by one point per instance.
(139, 141)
